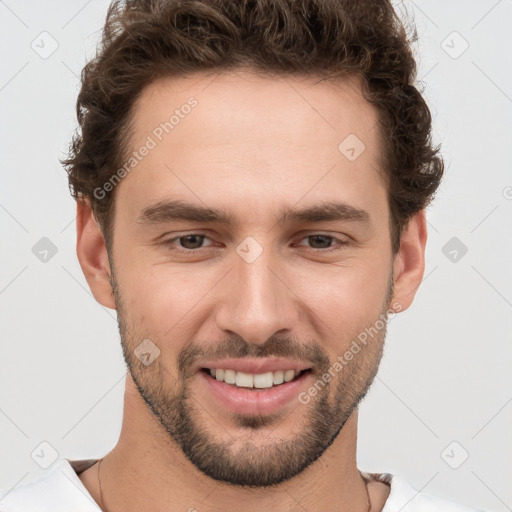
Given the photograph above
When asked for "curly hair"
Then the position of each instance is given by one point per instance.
(144, 40)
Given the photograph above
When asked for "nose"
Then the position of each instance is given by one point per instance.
(257, 301)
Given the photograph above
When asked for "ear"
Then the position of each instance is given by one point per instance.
(409, 263)
(92, 255)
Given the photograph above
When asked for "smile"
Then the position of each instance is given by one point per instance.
(254, 381)
(252, 385)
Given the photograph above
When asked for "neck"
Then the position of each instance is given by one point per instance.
(148, 470)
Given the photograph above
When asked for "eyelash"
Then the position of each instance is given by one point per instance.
(170, 243)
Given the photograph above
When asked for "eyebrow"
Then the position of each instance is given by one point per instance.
(178, 210)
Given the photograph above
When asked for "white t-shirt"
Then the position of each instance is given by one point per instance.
(62, 491)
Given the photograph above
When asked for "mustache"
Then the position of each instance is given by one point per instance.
(236, 347)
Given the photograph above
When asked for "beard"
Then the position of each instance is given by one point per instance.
(247, 460)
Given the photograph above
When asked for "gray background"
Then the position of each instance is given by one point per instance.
(440, 411)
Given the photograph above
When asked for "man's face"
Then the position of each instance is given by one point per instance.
(265, 292)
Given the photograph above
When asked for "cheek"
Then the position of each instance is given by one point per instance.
(346, 301)
(164, 303)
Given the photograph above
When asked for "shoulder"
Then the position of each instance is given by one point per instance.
(58, 491)
(404, 498)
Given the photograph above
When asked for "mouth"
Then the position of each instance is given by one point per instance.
(253, 387)
(254, 381)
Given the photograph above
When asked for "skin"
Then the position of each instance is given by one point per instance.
(252, 146)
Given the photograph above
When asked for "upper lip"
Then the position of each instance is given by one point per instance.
(255, 365)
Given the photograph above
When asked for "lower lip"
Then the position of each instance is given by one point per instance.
(254, 401)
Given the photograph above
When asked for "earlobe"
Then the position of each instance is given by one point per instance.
(92, 255)
(409, 263)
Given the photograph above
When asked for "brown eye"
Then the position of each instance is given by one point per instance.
(191, 241)
(188, 244)
(321, 241)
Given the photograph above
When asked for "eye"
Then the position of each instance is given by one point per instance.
(193, 242)
(187, 243)
(326, 243)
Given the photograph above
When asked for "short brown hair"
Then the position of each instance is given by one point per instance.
(148, 39)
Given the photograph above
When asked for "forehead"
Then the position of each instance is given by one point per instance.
(243, 104)
(238, 136)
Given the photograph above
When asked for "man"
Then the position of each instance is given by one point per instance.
(251, 182)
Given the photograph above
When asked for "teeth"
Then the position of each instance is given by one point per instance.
(229, 376)
(264, 380)
(249, 380)
(289, 375)
(244, 380)
(278, 377)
